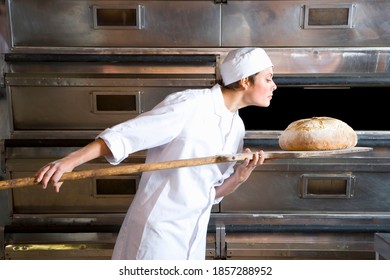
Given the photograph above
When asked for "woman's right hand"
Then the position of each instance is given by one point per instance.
(51, 173)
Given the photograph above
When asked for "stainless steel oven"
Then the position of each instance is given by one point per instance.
(93, 63)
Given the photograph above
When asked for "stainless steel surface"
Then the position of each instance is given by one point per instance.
(73, 24)
(72, 108)
(4, 39)
(2, 243)
(87, 93)
(97, 245)
(3, 49)
(204, 24)
(299, 246)
(328, 181)
(298, 235)
(270, 217)
(382, 246)
(285, 23)
(330, 58)
(59, 246)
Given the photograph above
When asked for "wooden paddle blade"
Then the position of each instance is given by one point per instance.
(306, 154)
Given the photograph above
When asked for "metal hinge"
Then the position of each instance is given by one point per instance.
(220, 243)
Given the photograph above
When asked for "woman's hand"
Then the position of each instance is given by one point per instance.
(242, 173)
(51, 173)
(244, 170)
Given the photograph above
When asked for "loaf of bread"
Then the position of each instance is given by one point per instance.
(317, 133)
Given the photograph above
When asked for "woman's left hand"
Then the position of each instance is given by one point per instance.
(241, 174)
(244, 170)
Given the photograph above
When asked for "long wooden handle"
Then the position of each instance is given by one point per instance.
(128, 169)
(134, 168)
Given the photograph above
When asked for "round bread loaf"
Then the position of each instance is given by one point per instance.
(317, 133)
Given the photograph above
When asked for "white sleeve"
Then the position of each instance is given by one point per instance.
(150, 129)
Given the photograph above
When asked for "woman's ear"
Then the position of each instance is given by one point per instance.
(244, 82)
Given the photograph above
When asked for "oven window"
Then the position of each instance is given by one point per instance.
(116, 17)
(116, 185)
(116, 102)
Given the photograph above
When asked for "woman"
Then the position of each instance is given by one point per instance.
(170, 212)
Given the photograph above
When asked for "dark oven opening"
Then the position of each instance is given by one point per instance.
(363, 108)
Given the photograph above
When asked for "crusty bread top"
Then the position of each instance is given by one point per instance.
(317, 133)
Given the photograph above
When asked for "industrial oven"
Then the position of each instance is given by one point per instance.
(90, 64)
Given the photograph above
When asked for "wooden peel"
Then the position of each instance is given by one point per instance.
(136, 168)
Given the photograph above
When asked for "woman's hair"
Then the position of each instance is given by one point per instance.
(236, 85)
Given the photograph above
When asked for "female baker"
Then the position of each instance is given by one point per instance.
(169, 215)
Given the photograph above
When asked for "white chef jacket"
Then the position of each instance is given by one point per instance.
(169, 214)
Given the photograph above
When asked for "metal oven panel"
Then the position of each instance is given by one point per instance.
(92, 63)
(69, 246)
(80, 108)
(89, 92)
(308, 23)
(84, 23)
(313, 186)
(93, 196)
(282, 245)
(96, 195)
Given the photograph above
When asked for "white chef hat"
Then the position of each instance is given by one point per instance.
(243, 62)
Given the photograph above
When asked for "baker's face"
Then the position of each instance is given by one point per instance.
(260, 93)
